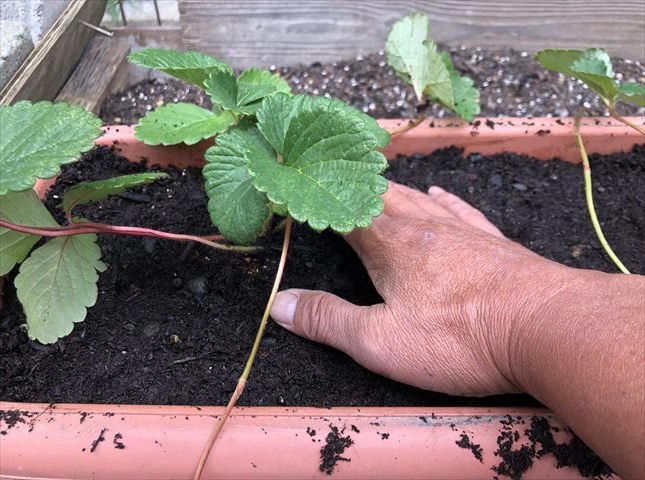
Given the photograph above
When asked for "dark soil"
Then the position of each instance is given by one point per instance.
(174, 322)
(465, 442)
(517, 460)
(335, 445)
(512, 83)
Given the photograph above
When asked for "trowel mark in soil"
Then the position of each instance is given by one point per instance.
(465, 442)
(335, 445)
(98, 440)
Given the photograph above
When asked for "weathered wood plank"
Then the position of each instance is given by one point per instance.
(49, 65)
(103, 70)
(138, 37)
(286, 32)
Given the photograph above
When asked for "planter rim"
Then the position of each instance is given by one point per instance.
(51, 441)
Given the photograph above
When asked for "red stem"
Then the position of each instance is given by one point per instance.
(89, 227)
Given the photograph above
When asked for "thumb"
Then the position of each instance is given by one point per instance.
(321, 317)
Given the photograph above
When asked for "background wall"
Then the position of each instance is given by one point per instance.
(286, 32)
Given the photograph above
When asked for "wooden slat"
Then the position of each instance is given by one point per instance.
(48, 66)
(286, 32)
(138, 37)
(103, 70)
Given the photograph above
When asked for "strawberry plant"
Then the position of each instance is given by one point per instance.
(416, 60)
(312, 160)
(57, 280)
(233, 97)
(593, 67)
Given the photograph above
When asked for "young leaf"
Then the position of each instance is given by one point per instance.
(592, 66)
(36, 138)
(57, 283)
(415, 59)
(407, 52)
(221, 86)
(181, 123)
(254, 84)
(243, 95)
(465, 93)
(631, 92)
(329, 175)
(189, 66)
(23, 208)
(88, 192)
(237, 209)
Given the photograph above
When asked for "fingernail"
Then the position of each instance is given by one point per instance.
(434, 190)
(283, 310)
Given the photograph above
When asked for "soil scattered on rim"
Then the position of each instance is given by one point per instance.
(475, 448)
(117, 441)
(335, 445)
(512, 83)
(99, 439)
(11, 418)
(516, 461)
(573, 453)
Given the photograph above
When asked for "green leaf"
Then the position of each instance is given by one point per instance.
(36, 138)
(329, 175)
(466, 95)
(189, 66)
(592, 66)
(88, 192)
(244, 95)
(407, 52)
(57, 283)
(631, 92)
(277, 111)
(254, 84)
(439, 80)
(221, 86)
(181, 123)
(23, 208)
(415, 59)
(237, 209)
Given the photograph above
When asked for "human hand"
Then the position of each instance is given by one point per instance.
(457, 295)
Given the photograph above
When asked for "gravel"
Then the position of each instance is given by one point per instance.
(512, 83)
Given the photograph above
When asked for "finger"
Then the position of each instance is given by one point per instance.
(462, 210)
(423, 202)
(321, 317)
(398, 204)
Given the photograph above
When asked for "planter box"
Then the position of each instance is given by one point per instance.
(41, 441)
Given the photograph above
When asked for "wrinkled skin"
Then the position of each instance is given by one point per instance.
(469, 312)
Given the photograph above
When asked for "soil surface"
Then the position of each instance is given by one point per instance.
(512, 83)
(174, 322)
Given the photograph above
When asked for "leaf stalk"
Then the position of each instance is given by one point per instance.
(614, 114)
(586, 168)
(89, 227)
(241, 383)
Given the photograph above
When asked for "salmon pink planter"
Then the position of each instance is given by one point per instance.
(67, 441)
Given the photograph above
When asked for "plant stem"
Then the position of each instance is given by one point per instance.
(612, 111)
(412, 123)
(586, 168)
(88, 227)
(241, 383)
